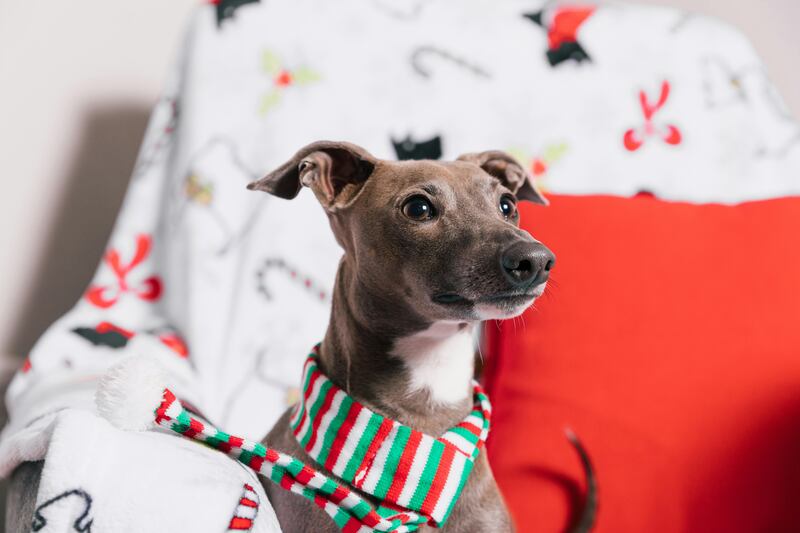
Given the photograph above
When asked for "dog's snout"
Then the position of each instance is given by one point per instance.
(527, 264)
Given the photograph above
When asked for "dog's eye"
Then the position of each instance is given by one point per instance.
(418, 208)
(508, 206)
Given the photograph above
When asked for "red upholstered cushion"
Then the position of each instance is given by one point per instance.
(669, 339)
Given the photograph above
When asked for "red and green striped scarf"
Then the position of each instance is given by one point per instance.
(397, 465)
(416, 477)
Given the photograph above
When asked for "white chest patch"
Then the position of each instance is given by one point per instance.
(440, 360)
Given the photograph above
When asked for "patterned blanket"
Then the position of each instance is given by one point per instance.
(230, 288)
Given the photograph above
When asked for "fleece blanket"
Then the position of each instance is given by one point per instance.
(230, 288)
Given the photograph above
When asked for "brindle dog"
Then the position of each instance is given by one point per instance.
(431, 248)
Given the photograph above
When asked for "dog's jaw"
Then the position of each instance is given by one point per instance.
(439, 360)
(502, 311)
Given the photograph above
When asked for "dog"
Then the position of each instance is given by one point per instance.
(430, 249)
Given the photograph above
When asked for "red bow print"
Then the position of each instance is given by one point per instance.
(149, 289)
(635, 137)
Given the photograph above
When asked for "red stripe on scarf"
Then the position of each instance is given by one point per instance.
(352, 526)
(272, 456)
(320, 501)
(161, 412)
(195, 427)
(305, 475)
(439, 480)
(344, 431)
(240, 524)
(404, 466)
(371, 519)
(256, 462)
(326, 405)
(340, 493)
(287, 482)
(380, 436)
(306, 395)
(471, 428)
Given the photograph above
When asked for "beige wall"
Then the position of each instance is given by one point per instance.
(76, 82)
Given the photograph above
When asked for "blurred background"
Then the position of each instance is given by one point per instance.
(78, 82)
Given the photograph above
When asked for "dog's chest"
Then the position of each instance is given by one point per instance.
(439, 361)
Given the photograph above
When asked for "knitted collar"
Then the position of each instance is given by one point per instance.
(416, 477)
(399, 466)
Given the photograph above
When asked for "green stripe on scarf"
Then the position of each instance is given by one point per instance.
(428, 474)
(385, 482)
(361, 448)
(333, 429)
(312, 414)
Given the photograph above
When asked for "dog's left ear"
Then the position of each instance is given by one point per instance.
(510, 173)
(334, 171)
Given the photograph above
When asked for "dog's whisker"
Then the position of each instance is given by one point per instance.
(478, 345)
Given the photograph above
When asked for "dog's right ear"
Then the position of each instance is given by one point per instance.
(334, 171)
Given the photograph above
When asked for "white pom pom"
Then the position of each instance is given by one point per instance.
(130, 392)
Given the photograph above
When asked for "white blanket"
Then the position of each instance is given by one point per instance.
(230, 288)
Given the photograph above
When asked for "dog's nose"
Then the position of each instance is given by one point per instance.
(527, 264)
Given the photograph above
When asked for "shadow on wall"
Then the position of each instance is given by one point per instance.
(95, 184)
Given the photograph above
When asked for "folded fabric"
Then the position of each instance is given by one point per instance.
(99, 478)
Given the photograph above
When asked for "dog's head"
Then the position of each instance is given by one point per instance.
(441, 237)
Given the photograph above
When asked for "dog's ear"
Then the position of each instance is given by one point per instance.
(334, 171)
(510, 173)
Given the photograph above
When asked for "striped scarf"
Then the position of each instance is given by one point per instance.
(418, 478)
(397, 465)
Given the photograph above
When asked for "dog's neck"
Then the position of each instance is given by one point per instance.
(389, 358)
